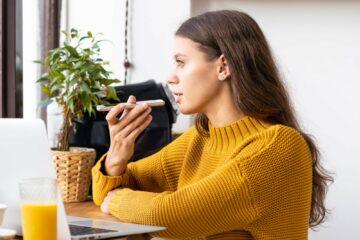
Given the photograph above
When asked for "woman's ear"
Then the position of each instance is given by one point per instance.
(223, 70)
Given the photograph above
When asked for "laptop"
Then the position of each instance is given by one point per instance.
(25, 153)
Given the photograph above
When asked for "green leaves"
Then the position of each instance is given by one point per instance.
(38, 61)
(77, 77)
(45, 103)
(112, 94)
(45, 89)
(73, 33)
(72, 51)
(43, 79)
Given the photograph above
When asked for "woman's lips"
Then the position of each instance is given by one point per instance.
(177, 96)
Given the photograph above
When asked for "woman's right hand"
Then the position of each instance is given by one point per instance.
(123, 133)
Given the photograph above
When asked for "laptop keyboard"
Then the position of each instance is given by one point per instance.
(76, 230)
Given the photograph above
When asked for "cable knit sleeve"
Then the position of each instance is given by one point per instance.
(102, 184)
(206, 207)
(156, 173)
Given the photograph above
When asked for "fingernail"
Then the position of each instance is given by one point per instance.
(145, 106)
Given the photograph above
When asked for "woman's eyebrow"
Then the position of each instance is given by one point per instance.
(179, 55)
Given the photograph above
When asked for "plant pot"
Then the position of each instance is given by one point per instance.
(73, 170)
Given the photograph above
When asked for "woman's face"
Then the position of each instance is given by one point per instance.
(194, 80)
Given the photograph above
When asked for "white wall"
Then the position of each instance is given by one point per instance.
(152, 26)
(317, 44)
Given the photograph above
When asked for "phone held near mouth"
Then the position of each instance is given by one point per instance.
(151, 103)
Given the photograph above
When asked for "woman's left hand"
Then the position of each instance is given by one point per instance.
(105, 204)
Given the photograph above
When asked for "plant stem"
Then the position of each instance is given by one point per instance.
(64, 134)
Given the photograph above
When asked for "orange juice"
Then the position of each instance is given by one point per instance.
(39, 221)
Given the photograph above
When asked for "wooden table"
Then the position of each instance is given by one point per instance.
(87, 209)
(90, 210)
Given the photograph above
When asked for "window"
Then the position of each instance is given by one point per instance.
(11, 58)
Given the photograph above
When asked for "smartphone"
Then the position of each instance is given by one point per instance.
(151, 103)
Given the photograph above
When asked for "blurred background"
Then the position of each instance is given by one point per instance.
(316, 45)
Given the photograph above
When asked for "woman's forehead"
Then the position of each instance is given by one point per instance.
(185, 47)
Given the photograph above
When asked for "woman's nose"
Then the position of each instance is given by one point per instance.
(172, 79)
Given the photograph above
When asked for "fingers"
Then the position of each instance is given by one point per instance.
(131, 99)
(137, 126)
(105, 204)
(111, 117)
(135, 116)
(131, 124)
(135, 133)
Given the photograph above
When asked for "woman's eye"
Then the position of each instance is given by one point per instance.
(179, 62)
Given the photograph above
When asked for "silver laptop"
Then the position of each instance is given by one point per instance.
(25, 153)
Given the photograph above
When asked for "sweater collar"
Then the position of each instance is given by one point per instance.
(223, 139)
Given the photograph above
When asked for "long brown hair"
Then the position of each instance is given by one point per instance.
(256, 84)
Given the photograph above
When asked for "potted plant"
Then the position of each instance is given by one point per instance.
(76, 79)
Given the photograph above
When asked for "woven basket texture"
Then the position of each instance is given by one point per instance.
(73, 170)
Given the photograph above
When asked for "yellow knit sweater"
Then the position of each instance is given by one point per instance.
(248, 180)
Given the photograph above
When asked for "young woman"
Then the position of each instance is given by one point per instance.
(245, 171)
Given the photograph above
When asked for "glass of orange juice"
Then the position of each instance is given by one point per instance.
(38, 208)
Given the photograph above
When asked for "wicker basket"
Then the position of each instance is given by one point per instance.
(73, 169)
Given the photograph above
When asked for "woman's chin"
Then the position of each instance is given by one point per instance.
(186, 111)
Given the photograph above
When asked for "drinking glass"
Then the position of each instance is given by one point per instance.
(38, 208)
